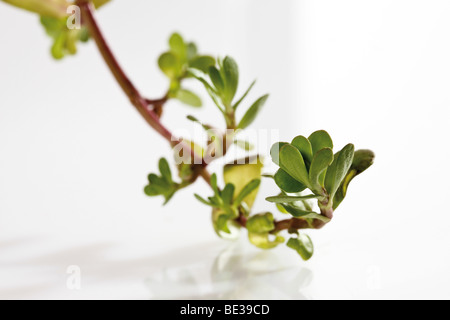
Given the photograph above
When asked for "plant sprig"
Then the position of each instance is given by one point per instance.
(309, 169)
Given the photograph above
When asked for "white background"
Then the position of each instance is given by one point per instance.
(74, 155)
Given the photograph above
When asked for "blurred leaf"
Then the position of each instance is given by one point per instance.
(237, 104)
(339, 169)
(230, 74)
(304, 146)
(162, 185)
(99, 3)
(320, 140)
(57, 49)
(303, 245)
(214, 185)
(252, 113)
(211, 91)
(189, 98)
(300, 213)
(170, 65)
(164, 168)
(64, 40)
(322, 160)
(262, 240)
(240, 175)
(192, 51)
(216, 79)
(363, 160)
(224, 225)
(261, 223)
(228, 194)
(178, 47)
(205, 202)
(291, 161)
(291, 199)
(288, 184)
(202, 63)
(246, 191)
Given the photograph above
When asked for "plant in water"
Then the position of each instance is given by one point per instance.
(313, 179)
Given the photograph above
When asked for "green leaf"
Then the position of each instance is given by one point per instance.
(322, 160)
(228, 194)
(164, 168)
(320, 140)
(304, 146)
(303, 245)
(178, 46)
(291, 199)
(339, 169)
(253, 112)
(262, 240)
(189, 98)
(214, 185)
(261, 223)
(170, 65)
(57, 49)
(240, 175)
(288, 184)
(202, 63)
(211, 91)
(304, 214)
(237, 104)
(291, 161)
(362, 161)
(205, 202)
(246, 191)
(191, 51)
(230, 73)
(224, 225)
(275, 152)
(216, 79)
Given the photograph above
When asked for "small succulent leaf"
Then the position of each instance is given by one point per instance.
(320, 140)
(230, 73)
(252, 112)
(216, 79)
(263, 241)
(303, 245)
(188, 97)
(164, 168)
(288, 184)
(362, 161)
(275, 152)
(238, 103)
(339, 169)
(304, 146)
(247, 191)
(261, 223)
(291, 161)
(228, 194)
(322, 160)
(202, 63)
(202, 200)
